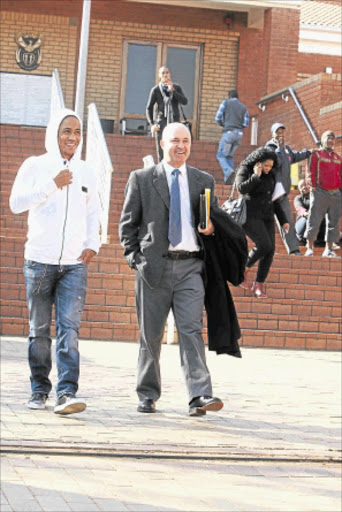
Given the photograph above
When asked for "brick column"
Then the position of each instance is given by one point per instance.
(281, 46)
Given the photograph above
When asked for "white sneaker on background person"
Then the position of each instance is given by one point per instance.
(329, 254)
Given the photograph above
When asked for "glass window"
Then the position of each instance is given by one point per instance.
(141, 63)
(140, 77)
(182, 65)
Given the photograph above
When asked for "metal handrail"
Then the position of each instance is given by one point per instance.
(261, 104)
(302, 113)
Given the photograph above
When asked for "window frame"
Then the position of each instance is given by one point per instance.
(162, 49)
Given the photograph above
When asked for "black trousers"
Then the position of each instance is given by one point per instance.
(262, 232)
(158, 138)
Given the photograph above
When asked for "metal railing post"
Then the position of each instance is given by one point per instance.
(302, 113)
(82, 59)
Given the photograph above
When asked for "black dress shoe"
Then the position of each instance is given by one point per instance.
(201, 404)
(296, 253)
(146, 405)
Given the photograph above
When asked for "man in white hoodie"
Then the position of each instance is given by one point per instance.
(59, 191)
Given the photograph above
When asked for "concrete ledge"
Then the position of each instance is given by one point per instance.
(331, 108)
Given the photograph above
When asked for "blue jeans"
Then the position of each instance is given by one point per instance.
(65, 287)
(229, 143)
(301, 227)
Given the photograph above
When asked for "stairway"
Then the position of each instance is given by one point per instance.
(303, 308)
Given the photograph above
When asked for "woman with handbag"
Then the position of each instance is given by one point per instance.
(255, 181)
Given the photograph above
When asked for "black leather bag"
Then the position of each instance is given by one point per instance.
(236, 208)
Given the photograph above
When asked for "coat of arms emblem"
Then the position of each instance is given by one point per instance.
(29, 53)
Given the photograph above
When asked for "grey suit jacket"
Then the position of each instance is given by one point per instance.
(144, 219)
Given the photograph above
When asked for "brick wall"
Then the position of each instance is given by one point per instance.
(59, 47)
(253, 67)
(313, 93)
(303, 309)
(119, 11)
(331, 89)
(220, 55)
(314, 63)
(231, 57)
(257, 62)
(282, 58)
(331, 119)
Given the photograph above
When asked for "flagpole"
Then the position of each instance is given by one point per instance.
(82, 59)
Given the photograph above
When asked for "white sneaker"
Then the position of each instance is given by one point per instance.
(308, 252)
(37, 401)
(69, 404)
(335, 247)
(329, 254)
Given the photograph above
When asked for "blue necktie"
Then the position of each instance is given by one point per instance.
(175, 221)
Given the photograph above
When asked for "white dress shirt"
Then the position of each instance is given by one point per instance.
(189, 239)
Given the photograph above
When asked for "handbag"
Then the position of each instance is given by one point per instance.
(186, 122)
(236, 208)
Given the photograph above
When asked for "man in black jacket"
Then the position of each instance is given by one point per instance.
(285, 157)
(167, 96)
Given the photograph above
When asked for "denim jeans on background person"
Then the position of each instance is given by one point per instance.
(300, 227)
(229, 143)
(65, 287)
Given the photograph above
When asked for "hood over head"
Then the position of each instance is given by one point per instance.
(51, 135)
(260, 154)
(324, 138)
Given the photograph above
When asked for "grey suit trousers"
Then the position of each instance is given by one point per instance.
(181, 288)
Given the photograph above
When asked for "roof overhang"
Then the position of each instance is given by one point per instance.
(254, 8)
(228, 5)
(320, 39)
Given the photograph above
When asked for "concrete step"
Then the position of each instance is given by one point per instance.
(303, 305)
(250, 337)
(19, 230)
(121, 275)
(109, 314)
(110, 259)
(247, 307)
(290, 339)
(123, 295)
(18, 326)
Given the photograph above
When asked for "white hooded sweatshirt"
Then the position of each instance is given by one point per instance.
(61, 222)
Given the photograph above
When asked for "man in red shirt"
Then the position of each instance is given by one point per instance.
(325, 179)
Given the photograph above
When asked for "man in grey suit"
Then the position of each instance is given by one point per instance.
(161, 240)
